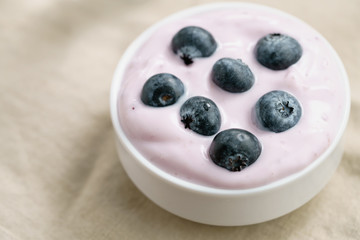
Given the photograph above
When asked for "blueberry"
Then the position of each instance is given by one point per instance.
(278, 111)
(232, 75)
(193, 42)
(235, 149)
(277, 51)
(161, 90)
(201, 115)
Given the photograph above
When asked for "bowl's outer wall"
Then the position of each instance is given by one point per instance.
(230, 210)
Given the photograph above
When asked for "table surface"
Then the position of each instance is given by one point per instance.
(60, 175)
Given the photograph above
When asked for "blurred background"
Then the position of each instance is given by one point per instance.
(59, 173)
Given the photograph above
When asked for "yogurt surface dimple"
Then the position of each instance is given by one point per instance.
(316, 80)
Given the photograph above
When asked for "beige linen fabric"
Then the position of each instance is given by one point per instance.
(60, 177)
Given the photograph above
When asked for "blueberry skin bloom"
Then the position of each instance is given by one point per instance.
(278, 111)
(201, 115)
(193, 42)
(162, 90)
(232, 75)
(277, 51)
(235, 149)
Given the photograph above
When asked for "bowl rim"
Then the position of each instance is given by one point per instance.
(189, 186)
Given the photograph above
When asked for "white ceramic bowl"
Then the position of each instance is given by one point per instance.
(217, 206)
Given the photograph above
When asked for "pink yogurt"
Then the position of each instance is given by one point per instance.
(316, 80)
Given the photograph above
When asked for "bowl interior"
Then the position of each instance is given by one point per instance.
(116, 84)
